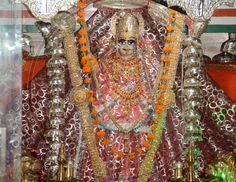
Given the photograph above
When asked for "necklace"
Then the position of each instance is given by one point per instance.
(114, 120)
(126, 81)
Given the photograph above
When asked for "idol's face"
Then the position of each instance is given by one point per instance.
(127, 47)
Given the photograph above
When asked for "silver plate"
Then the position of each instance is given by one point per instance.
(121, 4)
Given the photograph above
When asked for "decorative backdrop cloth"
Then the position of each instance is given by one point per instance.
(218, 117)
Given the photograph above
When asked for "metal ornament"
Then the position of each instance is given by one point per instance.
(55, 159)
(192, 99)
(45, 10)
(199, 10)
(56, 75)
(121, 4)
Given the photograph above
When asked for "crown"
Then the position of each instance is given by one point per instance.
(127, 25)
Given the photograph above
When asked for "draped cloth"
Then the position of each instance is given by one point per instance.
(218, 117)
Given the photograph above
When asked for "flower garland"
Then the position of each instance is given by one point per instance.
(84, 97)
(80, 95)
(164, 96)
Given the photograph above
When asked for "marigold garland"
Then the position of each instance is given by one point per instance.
(170, 60)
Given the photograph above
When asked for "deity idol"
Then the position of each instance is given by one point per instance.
(132, 129)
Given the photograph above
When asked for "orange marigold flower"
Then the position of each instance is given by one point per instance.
(81, 5)
(82, 40)
(87, 80)
(172, 12)
(169, 28)
(91, 99)
(101, 133)
(105, 141)
(90, 92)
(113, 149)
(169, 39)
(97, 121)
(84, 49)
(80, 20)
(86, 69)
(94, 112)
(82, 31)
(166, 59)
(153, 127)
(164, 78)
(81, 14)
(166, 68)
(167, 49)
(172, 20)
(120, 154)
(146, 144)
(161, 96)
(158, 111)
(132, 155)
(159, 107)
(84, 60)
(162, 87)
(155, 120)
(150, 136)
(139, 150)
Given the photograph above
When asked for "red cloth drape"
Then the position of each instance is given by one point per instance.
(225, 76)
(31, 67)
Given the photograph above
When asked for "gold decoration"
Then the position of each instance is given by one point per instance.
(31, 168)
(79, 96)
(65, 170)
(178, 172)
(190, 177)
(119, 127)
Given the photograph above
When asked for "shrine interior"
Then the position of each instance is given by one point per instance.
(118, 91)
